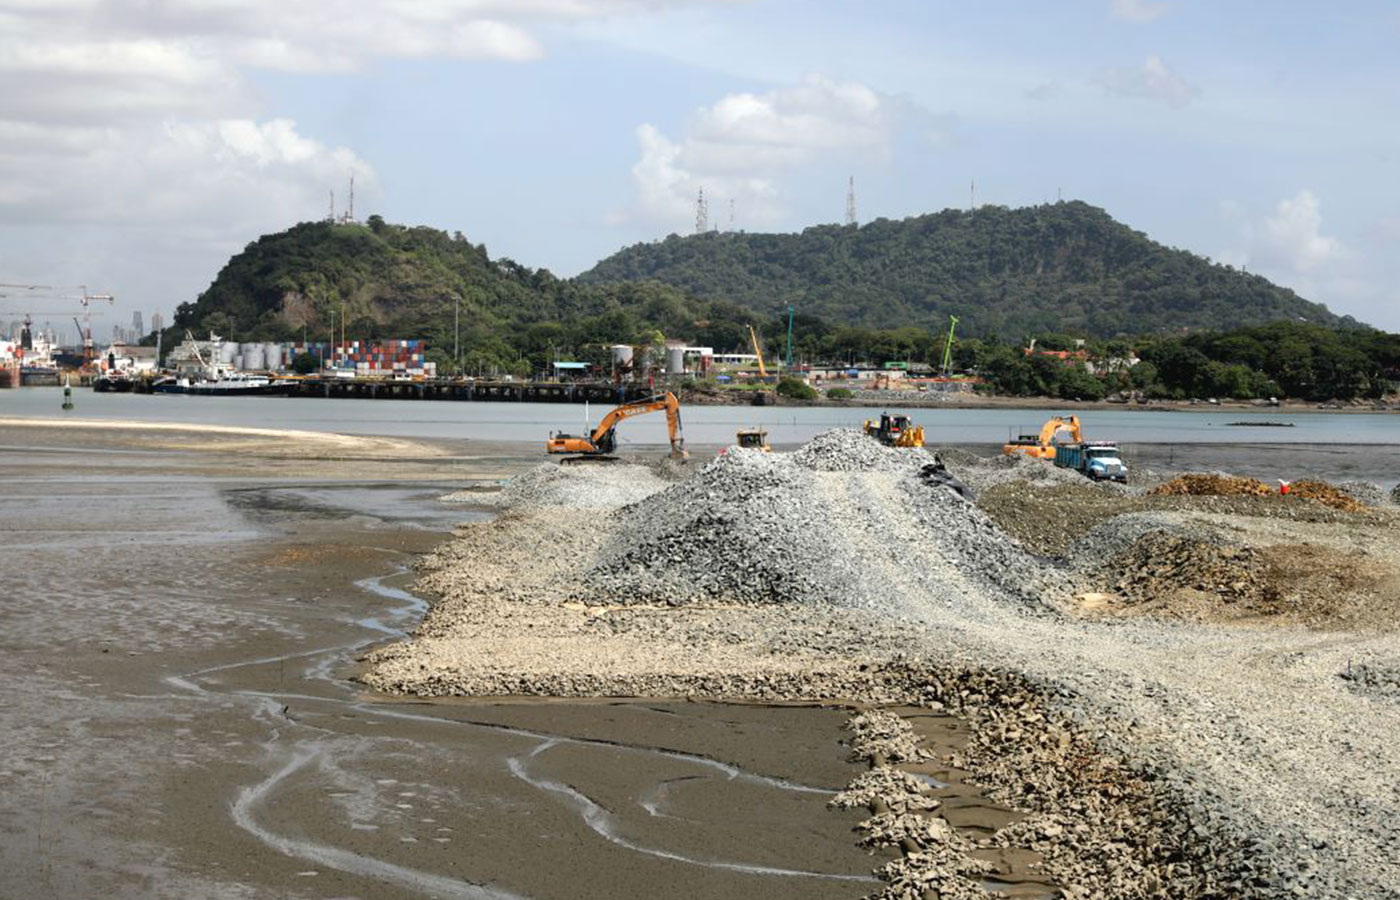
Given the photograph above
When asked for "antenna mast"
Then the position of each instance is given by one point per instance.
(851, 202)
(972, 195)
(702, 213)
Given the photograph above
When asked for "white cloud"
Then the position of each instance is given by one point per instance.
(743, 144)
(1136, 10)
(1154, 80)
(1288, 246)
(127, 125)
(1293, 236)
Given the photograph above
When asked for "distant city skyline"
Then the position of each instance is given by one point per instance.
(145, 145)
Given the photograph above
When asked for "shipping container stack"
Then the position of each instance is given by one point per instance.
(373, 358)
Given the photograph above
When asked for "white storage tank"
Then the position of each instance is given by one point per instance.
(675, 361)
(621, 355)
(272, 355)
(237, 361)
(253, 357)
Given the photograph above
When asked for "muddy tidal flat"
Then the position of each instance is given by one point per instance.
(181, 620)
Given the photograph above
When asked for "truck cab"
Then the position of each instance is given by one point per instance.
(1097, 460)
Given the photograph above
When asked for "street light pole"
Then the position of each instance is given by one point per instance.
(457, 332)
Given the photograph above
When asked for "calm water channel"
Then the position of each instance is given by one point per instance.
(704, 425)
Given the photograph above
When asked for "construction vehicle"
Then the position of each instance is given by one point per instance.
(599, 445)
(1095, 460)
(895, 431)
(1042, 446)
(753, 439)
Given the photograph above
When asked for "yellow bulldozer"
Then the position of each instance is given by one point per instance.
(600, 444)
(895, 431)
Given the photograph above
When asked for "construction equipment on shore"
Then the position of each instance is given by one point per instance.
(1095, 460)
(598, 446)
(753, 439)
(895, 431)
(1042, 446)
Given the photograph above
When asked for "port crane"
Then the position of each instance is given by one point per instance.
(64, 292)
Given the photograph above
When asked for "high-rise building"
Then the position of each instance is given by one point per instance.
(136, 324)
(157, 321)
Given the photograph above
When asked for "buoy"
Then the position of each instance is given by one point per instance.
(1282, 486)
(67, 393)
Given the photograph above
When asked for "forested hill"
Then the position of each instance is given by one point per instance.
(384, 280)
(1066, 267)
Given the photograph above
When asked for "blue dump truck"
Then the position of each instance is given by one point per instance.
(1098, 460)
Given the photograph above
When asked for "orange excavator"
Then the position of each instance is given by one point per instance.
(599, 445)
(1042, 446)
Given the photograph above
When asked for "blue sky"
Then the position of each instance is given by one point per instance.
(142, 146)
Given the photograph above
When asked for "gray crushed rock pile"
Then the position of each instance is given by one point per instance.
(883, 736)
(583, 486)
(1374, 679)
(1367, 492)
(983, 472)
(745, 529)
(1395, 495)
(843, 522)
(1118, 535)
(848, 450)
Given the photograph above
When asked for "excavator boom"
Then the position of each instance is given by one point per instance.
(1042, 446)
(603, 440)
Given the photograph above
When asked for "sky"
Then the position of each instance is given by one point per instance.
(143, 143)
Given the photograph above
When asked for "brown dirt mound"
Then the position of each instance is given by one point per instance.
(1213, 485)
(1324, 493)
(1180, 577)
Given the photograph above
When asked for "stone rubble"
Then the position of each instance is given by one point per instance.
(1155, 760)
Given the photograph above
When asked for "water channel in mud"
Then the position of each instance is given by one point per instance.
(177, 717)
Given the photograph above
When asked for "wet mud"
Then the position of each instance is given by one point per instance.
(177, 717)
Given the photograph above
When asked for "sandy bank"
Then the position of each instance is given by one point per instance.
(261, 441)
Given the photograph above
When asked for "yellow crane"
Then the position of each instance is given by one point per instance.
(763, 371)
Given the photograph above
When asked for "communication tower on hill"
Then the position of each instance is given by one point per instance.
(702, 213)
(851, 202)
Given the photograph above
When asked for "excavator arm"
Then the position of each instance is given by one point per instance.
(1053, 426)
(603, 440)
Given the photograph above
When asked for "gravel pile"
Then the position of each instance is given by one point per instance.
(1216, 485)
(1325, 494)
(1367, 493)
(1159, 568)
(1156, 760)
(746, 529)
(848, 450)
(582, 486)
(1374, 679)
(845, 522)
(982, 473)
(1395, 495)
